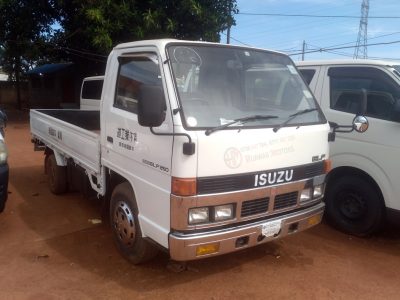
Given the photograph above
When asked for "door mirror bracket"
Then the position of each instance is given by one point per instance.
(360, 124)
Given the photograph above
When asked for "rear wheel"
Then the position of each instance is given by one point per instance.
(56, 175)
(125, 226)
(353, 205)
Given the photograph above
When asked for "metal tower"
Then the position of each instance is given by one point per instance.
(361, 48)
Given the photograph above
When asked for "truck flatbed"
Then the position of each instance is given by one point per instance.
(67, 131)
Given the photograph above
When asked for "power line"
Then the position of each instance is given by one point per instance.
(314, 16)
(236, 40)
(346, 47)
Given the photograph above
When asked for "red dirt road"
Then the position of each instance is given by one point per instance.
(50, 249)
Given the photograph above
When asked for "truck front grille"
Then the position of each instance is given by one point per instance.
(260, 206)
(253, 207)
(285, 200)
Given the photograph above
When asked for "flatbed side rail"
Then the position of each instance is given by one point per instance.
(72, 141)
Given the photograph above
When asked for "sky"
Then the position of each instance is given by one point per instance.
(287, 34)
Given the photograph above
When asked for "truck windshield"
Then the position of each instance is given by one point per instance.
(218, 84)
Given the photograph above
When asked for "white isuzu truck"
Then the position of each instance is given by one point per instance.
(203, 149)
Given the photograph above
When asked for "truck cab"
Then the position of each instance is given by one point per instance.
(362, 188)
(202, 148)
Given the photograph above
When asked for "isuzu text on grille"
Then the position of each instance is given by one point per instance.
(273, 178)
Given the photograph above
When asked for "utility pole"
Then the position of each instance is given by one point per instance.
(304, 49)
(361, 47)
(228, 33)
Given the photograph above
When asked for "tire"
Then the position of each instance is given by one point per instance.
(354, 206)
(56, 175)
(2, 205)
(125, 226)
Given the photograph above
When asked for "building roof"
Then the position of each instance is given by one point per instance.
(49, 68)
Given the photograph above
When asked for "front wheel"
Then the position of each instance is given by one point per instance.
(125, 226)
(353, 205)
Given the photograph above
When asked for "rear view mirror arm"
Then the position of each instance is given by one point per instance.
(188, 148)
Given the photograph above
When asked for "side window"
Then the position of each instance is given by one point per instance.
(134, 72)
(307, 74)
(348, 85)
(92, 89)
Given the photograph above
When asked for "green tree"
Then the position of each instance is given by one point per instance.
(24, 26)
(97, 25)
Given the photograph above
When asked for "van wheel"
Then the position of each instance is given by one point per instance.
(125, 226)
(354, 206)
(56, 175)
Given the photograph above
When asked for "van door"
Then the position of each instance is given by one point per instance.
(375, 151)
(132, 150)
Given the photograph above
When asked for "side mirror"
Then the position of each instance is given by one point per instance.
(360, 124)
(151, 106)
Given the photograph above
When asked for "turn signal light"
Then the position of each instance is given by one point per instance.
(207, 249)
(327, 166)
(184, 186)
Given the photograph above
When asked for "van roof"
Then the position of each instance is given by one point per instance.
(347, 62)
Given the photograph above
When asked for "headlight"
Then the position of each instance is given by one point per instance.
(3, 152)
(198, 215)
(318, 191)
(223, 212)
(305, 195)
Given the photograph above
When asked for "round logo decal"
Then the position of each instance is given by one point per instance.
(233, 158)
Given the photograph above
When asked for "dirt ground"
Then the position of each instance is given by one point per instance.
(52, 248)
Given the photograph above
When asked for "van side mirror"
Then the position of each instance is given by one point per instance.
(360, 124)
(151, 106)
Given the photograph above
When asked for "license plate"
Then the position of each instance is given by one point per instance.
(271, 228)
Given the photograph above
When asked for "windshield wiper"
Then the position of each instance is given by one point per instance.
(291, 117)
(240, 120)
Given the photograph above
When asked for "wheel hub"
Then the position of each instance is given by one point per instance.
(124, 223)
(353, 205)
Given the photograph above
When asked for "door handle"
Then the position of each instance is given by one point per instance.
(110, 139)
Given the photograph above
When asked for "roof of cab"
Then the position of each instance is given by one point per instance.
(161, 43)
(347, 62)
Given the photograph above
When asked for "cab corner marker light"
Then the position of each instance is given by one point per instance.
(183, 186)
(207, 249)
(327, 166)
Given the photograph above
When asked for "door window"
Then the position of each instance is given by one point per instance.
(134, 72)
(349, 85)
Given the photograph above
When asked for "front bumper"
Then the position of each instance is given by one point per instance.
(183, 247)
(3, 185)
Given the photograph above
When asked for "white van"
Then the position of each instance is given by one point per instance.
(363, 188)
(91, 93)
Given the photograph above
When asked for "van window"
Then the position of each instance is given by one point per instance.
(92, 89)
(307, 74)
(349, 84)
(134, 72)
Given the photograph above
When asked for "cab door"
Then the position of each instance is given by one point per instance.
(131, 150)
